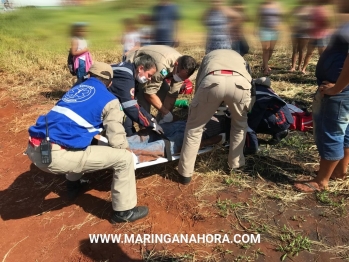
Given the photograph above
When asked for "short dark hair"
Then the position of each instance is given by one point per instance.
(146, 61)
(344, 7)
(188, 63)
(106, 82)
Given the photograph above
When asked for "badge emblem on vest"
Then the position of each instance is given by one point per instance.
(164, 72)
(132, 93)
(79, 93)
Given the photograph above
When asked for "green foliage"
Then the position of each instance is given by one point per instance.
(292, 243)
(225, 206)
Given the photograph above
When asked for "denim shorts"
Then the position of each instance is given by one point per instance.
(268, 35)
(331, 124)
(321, 42)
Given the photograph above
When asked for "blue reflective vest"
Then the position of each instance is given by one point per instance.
(77, 116)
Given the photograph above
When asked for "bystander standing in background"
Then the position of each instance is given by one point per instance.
(165, 18)
(218, 19)
(239, 42)
(319, 31)
(146, 30)
(79, 50)
(300, 32)
(331, 107)
(130, 38)
(269, 19)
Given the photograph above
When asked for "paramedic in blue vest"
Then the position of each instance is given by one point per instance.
(126, 76)
(72, 123)
(218, 80)
(163, 89)
(331, 107)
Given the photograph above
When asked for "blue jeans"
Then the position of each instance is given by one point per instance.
(153, 143)
(331, 124)
(81, 71)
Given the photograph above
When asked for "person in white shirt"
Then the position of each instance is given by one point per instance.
(146, 30)
(131, 37)
(82, 57)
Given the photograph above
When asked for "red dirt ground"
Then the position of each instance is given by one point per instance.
(38, 223)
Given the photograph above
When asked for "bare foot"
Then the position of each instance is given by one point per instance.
(292, 69)
(334, 176)
(266, 72)
(307, 187)
(338, 176)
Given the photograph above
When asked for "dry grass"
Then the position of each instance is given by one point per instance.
(264, 187)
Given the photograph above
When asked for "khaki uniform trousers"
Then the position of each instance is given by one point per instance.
(74, 163)
(235, 91)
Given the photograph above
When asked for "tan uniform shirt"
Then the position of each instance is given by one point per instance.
(222, 59)
(113, 116)
(165, 58)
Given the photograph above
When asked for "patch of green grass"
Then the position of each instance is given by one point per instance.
(232, 180)
(252, 256)
(259, 228)
(324, 197)
(165, 256)
(300, 142)
(292, 243)
(339, 207)
(225, 206)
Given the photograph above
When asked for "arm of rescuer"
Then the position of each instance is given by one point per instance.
(137, 114)
(150, 90)
(155, 101)
(112, 117)
(124, 91)
(154, 86)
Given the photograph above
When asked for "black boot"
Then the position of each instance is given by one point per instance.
(184, 180)
(129, 215)
(74, 188)
(278, 137)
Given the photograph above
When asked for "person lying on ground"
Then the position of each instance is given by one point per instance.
(148, 145)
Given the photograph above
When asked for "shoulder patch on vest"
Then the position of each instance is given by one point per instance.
(164, 72)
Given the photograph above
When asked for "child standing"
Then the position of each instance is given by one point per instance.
(79, 50)
(131, 38)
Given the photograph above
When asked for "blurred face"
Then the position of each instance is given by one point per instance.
(216, 3)
(81, 31)
(179, 74)
(342, 6)
(144, 76)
